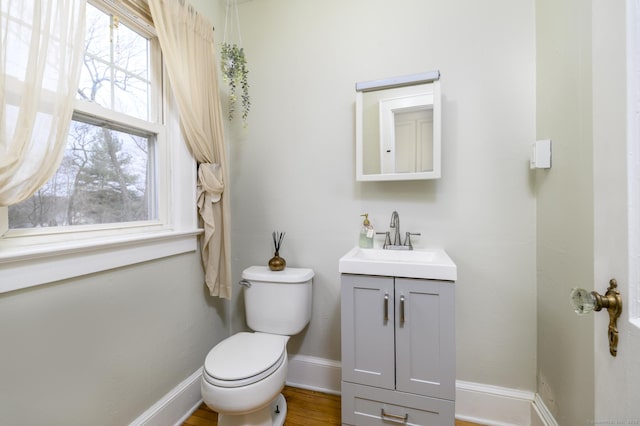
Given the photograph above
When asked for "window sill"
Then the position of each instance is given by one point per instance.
(31, 266)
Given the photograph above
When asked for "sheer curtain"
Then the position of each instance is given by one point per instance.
(41, 51)
(186, 40)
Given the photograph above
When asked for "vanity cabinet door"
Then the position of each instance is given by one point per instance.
(368, 330)
(425, 337)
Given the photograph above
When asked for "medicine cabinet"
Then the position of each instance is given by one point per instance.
(398, 129)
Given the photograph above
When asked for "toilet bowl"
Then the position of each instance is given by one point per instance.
(243, 375)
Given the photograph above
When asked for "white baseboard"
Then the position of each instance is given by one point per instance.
(475, 402)
(541, 414)
(176, 406)
(493, 405)
(499, 406)
(309, 372)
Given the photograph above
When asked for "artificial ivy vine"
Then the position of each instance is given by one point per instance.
(234, 72)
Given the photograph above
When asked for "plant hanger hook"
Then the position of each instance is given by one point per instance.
(232, 9)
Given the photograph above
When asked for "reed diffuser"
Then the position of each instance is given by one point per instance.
(276, 263)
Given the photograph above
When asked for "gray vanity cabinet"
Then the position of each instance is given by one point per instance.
(398, 351)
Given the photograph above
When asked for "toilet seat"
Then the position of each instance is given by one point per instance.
(244, 358)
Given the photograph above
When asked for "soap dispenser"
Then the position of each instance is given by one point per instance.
(366, 232)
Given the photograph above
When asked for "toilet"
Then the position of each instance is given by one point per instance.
(244, 374)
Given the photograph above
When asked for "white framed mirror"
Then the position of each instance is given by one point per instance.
(398, 131)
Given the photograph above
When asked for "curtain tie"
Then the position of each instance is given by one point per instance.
(210, 182)
(210, 189)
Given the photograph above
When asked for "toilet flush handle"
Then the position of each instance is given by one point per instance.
(245, 283)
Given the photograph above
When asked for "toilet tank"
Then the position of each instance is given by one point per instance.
(277, 302)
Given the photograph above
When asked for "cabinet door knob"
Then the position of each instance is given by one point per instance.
(401, 310)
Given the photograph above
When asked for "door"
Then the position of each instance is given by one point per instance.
(425, 337)
(367, 330)
(617, 205)
(414, 141)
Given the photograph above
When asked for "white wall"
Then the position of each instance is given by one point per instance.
(293, 167)
(565, 207)
(113, 343)
(101, 349)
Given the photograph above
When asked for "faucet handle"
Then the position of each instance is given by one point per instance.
(387, 238)
(407, 239)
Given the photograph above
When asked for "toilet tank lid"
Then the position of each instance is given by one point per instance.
(288, 275)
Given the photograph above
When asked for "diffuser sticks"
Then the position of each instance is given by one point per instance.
(277, 263)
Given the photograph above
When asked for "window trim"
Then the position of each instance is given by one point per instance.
(45, 264)
(42, 256)
(32, 260)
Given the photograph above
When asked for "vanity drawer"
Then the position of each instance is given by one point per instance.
(370, 406)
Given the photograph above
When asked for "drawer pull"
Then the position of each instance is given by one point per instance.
(393, 417)
(402, 311)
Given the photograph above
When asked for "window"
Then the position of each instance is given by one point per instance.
(107, 173)
(110, 196)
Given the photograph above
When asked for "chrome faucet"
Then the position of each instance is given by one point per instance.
(395, 224)
(397, 240)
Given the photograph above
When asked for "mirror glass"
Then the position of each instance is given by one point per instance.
(398, 133)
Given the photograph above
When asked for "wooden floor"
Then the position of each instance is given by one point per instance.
(304, 408)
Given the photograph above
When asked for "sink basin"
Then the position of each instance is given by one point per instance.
(433, 264)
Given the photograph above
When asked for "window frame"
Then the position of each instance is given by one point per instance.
(35, 256)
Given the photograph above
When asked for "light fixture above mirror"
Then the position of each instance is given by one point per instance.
(398, 128)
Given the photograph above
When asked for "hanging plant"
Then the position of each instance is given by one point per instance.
(234, 72)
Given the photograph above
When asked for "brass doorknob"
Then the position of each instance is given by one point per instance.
(585, 302)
